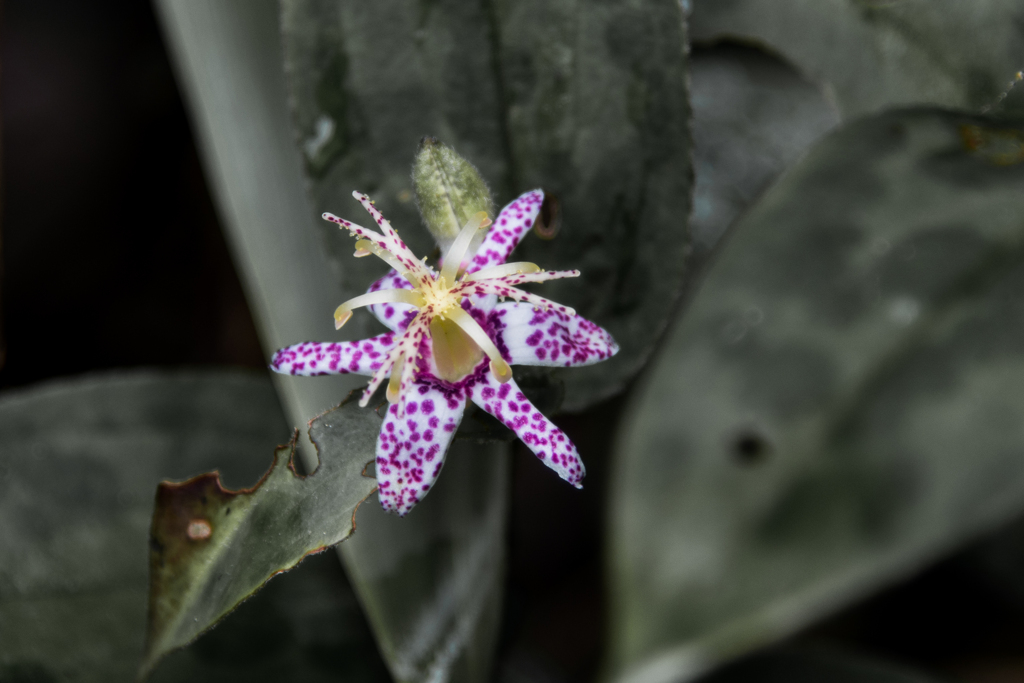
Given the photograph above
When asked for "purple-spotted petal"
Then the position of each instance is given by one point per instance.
(411, 449)
(532, 336)
(395, 316)
(509, 227)
(507, 403)
(333, 358)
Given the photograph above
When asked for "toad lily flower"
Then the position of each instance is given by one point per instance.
(451, 341)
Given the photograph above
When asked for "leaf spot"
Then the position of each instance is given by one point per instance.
(750, 448)
(199, 530)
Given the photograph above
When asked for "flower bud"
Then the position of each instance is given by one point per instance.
(449, 191)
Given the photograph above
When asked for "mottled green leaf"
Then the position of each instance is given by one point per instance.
(428, 588)
(840, 404)
(79, 461)
(596, 109)
(211, 548)
(367, 81)
(588, 104)
(875, 54)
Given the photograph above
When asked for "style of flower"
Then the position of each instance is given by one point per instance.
(451, 341)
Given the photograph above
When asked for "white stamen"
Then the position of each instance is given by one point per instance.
(394, 384)
(404, 296)
(502, 270)
(491, 287)
(457, 252)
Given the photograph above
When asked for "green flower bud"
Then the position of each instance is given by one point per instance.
(449, 191)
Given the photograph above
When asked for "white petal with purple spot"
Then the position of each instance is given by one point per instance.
(532, 336)
(411, 449)
(530, 330)
(308, 359)
(509, 227)
(395, 316)
(507, 403)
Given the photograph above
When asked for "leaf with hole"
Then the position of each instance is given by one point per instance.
(839, 405)
(210, 548)
(79, 461)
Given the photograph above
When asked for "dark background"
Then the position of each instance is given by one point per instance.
(112, 254)
(112, 257)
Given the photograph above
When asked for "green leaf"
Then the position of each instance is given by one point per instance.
(79, 461)
(874, 55)
(591, 107)
(429, 588)
(841, 402)
(366, 83)
(211, 548)
(597, 115)
(227, 54)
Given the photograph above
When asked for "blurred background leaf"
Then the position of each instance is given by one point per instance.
(753, 116)
(873, 54)
(79, 461)
(590, 105)
(840, 404)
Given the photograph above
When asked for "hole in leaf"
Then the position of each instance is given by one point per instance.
(750, 448)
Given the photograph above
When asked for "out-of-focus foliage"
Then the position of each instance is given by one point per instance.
(79, 462)
(839, 404)
(873, 54)
(211, 548)
(753, 116)
(589, 105)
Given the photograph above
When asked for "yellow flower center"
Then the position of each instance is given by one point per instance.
(455, 353)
